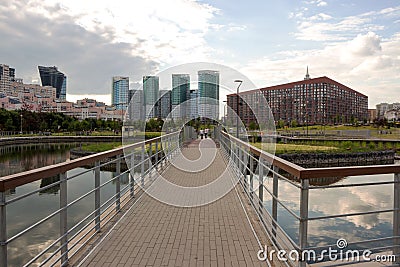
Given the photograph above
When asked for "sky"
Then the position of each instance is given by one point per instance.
(355, 42)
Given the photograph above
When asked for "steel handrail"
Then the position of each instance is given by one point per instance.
(18, 179)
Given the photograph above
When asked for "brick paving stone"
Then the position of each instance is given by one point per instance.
(156, 234)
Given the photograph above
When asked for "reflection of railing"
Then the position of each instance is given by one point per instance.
(71, 239)
(263, 180)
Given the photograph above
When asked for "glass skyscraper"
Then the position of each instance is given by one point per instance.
(151, 94)
(136, 105)
(51, 76)
(208, 83)
(164, 104)
(194, 105)
(180, 94)
(119, 94)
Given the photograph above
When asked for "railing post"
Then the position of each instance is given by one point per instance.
(132, 176)
(237, 159)
(261, 185)
(165, 151)
(156, 155)
(240, 161)
(396, 217)
(118, 185)
(63, 219)
(244, 167)
(3, 230)
(251, 183)
(150, 159)
(142, 164)
(274, 200)
(303, 225)
(150, 153)
(162, 157)
(97, 196)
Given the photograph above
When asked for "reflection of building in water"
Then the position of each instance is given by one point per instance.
(319, 181)
(10, 192)
(19, 158)
(124, 179)
(48, 181)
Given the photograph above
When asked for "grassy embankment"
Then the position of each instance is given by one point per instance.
(100, 147)
(380, 133)
(332, 147)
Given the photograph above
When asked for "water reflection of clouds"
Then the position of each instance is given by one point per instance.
(23, 249)
(334, 201)
(25, 212)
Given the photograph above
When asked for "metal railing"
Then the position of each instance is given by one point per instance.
(141, 160)
(262, 175)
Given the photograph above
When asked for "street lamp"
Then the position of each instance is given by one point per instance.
(225, 108)
(237, 107)
(21, 124)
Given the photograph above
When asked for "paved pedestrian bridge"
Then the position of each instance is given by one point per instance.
(189, 202)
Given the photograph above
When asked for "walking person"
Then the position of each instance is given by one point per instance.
(201, 133)
(205, 132)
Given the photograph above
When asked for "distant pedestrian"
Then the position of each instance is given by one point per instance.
(205, 132)
(201, 133)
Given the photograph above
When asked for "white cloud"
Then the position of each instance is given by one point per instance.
(165, 31)
(317, 2)
(323, 27)
(320, 16)
(365, 63)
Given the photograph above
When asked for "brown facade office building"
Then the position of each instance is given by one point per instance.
(311, 101)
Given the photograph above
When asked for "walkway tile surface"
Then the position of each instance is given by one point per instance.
(156, 234)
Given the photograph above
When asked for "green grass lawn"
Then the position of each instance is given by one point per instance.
(292, 148)
(100, 147)
(321, 146)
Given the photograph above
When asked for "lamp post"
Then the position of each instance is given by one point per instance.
(237, 107)
(21, 123)
(225, 108)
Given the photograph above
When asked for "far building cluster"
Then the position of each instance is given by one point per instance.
(181, 102)
(309, 101)
(49, 96)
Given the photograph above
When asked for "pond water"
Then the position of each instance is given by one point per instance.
(25, 212)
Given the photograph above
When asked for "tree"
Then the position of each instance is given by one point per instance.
(43, 126)
(281, 124)
(9, 125)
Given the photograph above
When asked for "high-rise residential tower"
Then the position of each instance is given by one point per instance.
(193, 104)
(136, 105)
(119, 93)
(208, 94)
(164, 104)
(51, 76)
(7, 75)
(180, 94)
(151, 94)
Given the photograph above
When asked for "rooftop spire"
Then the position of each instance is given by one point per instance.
(307, 75)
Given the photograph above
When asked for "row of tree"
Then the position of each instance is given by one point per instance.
(11, 120)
